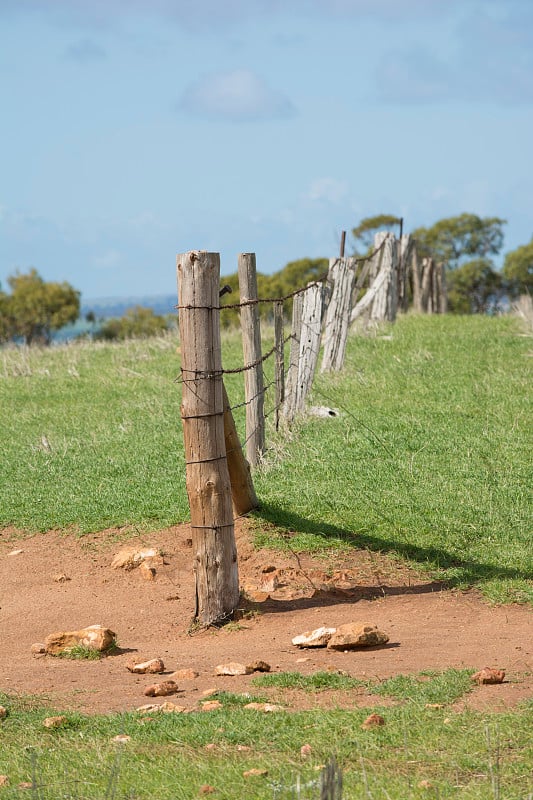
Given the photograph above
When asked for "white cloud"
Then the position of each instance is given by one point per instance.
(238, 95)
(328, 190)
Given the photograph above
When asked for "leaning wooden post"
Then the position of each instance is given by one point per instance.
(202, 411)
(309, 342)
(251, 346)
(242, 487)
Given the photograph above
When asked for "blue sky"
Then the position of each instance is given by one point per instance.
(133, 130)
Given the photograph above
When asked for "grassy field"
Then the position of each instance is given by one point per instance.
(430, 459)
(419, 752)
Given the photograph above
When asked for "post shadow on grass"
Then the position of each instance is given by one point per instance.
(464, 570)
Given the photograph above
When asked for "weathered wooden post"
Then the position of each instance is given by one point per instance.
(443, 288)
(202, 411)
(242, 487)
(289, 406)
(385, 304)
(416, 280)
(342, 275)
(251, 346)
(280, 358)
(311, 332)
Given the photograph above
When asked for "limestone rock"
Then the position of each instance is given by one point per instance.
(153, 666)
(171, 708)
(265, 707)
(488, 675)
(184, 675)
(373, 721)
(254, 773)
(96, 637)
(162, 689)
(257, 595)
(38, 648)
(131, 557)
(4, 780)
(356, 634)
(15, 552)
(258, 666)
(147, 571)
(232, 668)
(317, 638)
(306, 750)
(3, 712)
(54, 722)
(61, 578)
(211, 705)
(121, 738)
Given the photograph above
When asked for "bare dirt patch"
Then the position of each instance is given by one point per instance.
(429, 627)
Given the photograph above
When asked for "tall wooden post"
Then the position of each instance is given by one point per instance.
(251, 347)
(289, 406)
(242, 487)
(342, 275)
(202, 410)
(280, 358)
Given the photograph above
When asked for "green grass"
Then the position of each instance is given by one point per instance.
(468, 756)
(430, 460)
(316, 681)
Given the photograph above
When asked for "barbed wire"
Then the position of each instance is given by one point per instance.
(258, 300)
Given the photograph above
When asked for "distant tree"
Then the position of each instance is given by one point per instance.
(137, 322)
(368, 227)
(518, 269)
(455, 240)
(475, 287)
(35, 308)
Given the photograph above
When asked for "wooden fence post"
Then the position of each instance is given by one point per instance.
(385, 304)
(242, 487)
(443, 289)
(405, 249)
(416, 284)
(289, 406)
(309, 343)
(342, 275)
(251, 346)
(280, 359)
(202, 410)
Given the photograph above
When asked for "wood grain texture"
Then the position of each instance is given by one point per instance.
(251, 347)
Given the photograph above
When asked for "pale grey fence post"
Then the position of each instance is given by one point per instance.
(342, 275)
(289, 406)
(311, 332)
(251, 346)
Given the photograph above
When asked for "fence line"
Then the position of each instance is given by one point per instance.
(218, 474)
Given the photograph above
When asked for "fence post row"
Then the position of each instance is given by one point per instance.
(202, 411)
(251, 346)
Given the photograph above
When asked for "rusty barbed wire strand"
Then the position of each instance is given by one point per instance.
(321, 279)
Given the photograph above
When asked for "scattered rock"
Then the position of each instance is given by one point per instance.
(210, 746)
(162, 689)
(94, 636)
(211, 705)
(130, 557)
(243, 748)
(266, 707)
(4, 780)
(435, 706)
(121, 738)
(258, 666)
(3, 712)
(425, 785)
(147, 571)
(257, 595)
(154, 665)
(232, 668)
(306, 750)
(54, 722)
(317, 638)
(302, 660)
(209, 692)
(488, 675)
(61, 578)
(15, 552)
(323, 411)
(269, 581)
(164, 708)
(254, 773)
(206, 789)
(373, 721)
(356, 634)
(184, 675)
(25, 785)
(38, 648)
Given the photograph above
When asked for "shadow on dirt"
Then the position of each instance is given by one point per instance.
(461, 571)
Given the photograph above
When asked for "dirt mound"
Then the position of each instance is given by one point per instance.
(61, 582)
